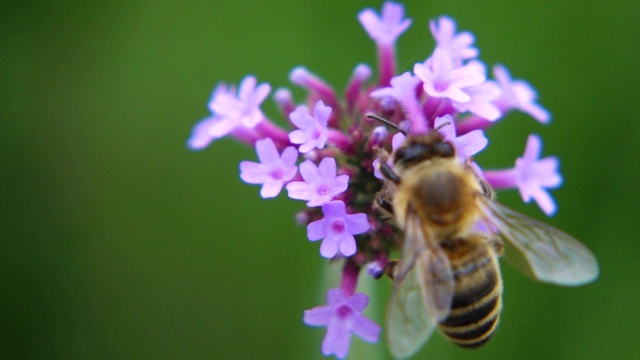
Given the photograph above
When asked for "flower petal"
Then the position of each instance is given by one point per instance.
(357, 223)
(336, 297)
(318, 316)
(329, 247)
(299, 190)
(358, 302)
(316, 230)
(366, 329)
(252, 172)
(267, 152)
(309, 172)
(346, 244)
(336, 341)
(270, 189)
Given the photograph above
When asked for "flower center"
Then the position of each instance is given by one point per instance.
(441, 85)
(344, 311)
(338, 226)
(323, 190)
(277, 174)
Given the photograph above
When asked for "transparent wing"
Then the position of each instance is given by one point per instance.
(408, 323)
(439, 284)
(542, 251)
(422, 293)
(435, 270)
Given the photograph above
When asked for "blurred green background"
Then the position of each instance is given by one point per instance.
(119, 243)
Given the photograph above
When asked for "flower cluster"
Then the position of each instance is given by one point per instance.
(335, 145)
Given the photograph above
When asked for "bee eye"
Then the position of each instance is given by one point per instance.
(444, 149)
(412, 154)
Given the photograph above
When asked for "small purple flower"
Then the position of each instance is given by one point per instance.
(403, 90)
(481, 102)
(312, 131)
(466, 145)
(337, 230)
(531, 175)
(230, 112)
(443, 79)
(342, 316)
(244, 108)
(320, 183)
(273, 171)
(460, 45)
(536, 174)
(386, 28)
(518, 94)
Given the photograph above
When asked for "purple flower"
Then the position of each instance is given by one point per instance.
(313, 129)
(337, 229)
(531, 175)
(466, 145)
(518, 94)
(212, 127)
(481, 100)
(403, 90)
(460, 45)
(320, 183)
(443, 79)
(230, 112)
(273, 171)
(243, 109)
(384, 29)
(342, 316)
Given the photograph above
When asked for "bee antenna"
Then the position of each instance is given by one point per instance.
(386, 122)
(442, 125)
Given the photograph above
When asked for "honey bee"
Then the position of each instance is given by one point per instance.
(448, 275)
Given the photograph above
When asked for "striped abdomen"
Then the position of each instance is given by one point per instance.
(477, 301)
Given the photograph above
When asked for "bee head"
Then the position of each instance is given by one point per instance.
(419, 148)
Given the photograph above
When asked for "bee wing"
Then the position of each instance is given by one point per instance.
(435, 269)
(407, 321)
(422, 294)
(542, 251)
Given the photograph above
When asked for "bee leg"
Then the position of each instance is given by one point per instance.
(391, 268)
(497, 245)
(385, 207)
(388, 173)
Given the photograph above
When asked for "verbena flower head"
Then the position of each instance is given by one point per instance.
(337, 147)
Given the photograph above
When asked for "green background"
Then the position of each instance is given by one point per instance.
(116, 242)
